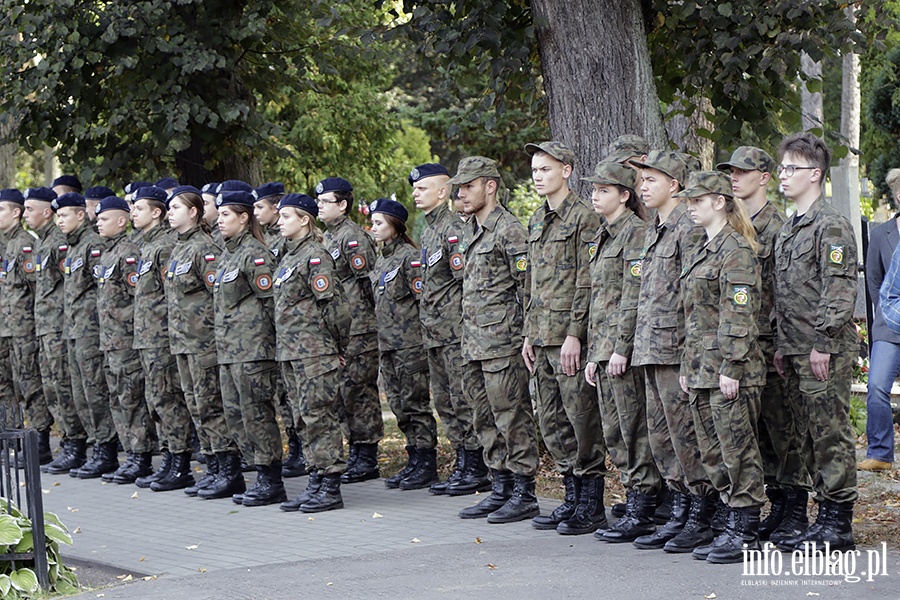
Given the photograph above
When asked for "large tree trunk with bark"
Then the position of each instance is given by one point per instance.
(597, 75)
(682, 129)
(7, 158)
(850, 100)
(811, 108)
(191, 166)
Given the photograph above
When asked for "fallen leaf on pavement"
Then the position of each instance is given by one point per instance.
(377, 516)
(135, 495)
(415, 540)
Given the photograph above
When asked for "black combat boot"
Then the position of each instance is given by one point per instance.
(393, 482)
(664, 502)
(720, 517)
(179, 475)
(439, 488)
(212, 469)
(104, 460)
(268, 489)
(590, 514)
(638, 519)
(228, 481)
(72, 457)
(164, 466)
(521, 505)
(501, 491)
(312, 488)
(365, 464)
(697, 531)
(45, 455)
(294, 465)
(328, 497)
(833, 526)
(137, 465)
(130, 457)
(681, 506)
(794, 522)
(778, 502)
(425, 473)
(475, 477)
(565, 510)
(741, 534)
(352, 455)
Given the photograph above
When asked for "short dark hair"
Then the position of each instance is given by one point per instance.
(346, 197)
(809, 147)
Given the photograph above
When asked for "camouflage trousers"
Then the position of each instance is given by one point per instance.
(569, 415)
(90, 392)
(316, 382)
(10, 400)
(360, 404)
(726, 435)
(165, 400)
(404, 375)
(27, 377)
(780, 442)
(57, 385)
(673, 438)
(199, 375)
(125, 380)
(497, 391)
(248, 391)
(824, 420)
(445, 366)
(285, 403)
(623, 409)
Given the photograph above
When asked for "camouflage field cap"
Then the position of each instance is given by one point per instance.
(691, 162)
(749, 158)
(669, 162)
(557, 150)
(626, 146)
(701, 183)
(612, 173)
(473, 167)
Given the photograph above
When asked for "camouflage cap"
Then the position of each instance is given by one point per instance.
(669, 162)
(691, 162)
(612, 173)
(749, 158)
(626, 146)
(557, 150)
(701, 183)
(473, 167)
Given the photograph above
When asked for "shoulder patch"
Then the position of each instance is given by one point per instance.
(130, 260)
(417, 285)
(321, 283)
(456, 261)
(210, 277)
(209, 257)
(358, 262)
(26, 249)
(592, 250)
(415, 263)
(741, 295)
(264, 282)
(315, 261)
(28, 266)
(259, 261)
(836, 254)
(131, 278)
(522, 263)
(352, 244)
(634, 267)
(452, 239)
(95, 252)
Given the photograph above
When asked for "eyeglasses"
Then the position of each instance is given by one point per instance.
(789, 170)
(320, 202)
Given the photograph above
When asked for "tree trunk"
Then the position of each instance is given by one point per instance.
(7, 158)
(190, 165)
(811, 107)
(850, 100)
(682, 130)
(597, 75)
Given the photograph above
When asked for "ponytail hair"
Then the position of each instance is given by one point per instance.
(736, 215)
(314, 231)
(255, 227)
(633, 203)
(194, 201)
(400, 227)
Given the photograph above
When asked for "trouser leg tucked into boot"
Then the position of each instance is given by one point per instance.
(164, 466)
(521, 505)
(312, 488)
(179, 475)
(565, 510)
(72, 457)
(228, 481)
(294, 464)
(138, 465)
(681, 505)
(474, 478)
(269, 487)
(697, 531)
(794, 522)
(212, 469)
(327, 497)
(363, 466)
(590, 514)
(834, 526)
(104, 460)
(741, 533)
(638, 519)
(501, 491)
(425, 473)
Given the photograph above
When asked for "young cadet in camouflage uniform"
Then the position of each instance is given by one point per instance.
(116, 282)
(626, 148)
(354, 256)
(496, 380)
(815, 293)
(787, 480)
(397, 282)
(10, 400)
(312, 321)
(49, 253)
(190, 278)
(615, 263)
(555, 345)
(670, 242)
(151, 334)
(210, 213)
(722, 367)
(81, 269)
(441, 311)
(17, 289)
(245, 343)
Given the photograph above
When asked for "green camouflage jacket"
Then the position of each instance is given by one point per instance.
(81, 268)
(190, 277)
(275, 241)
(397, 287)
(116, 283)
(443, 266)
(768, 223)
(49, 266)
(151, 313)
(17, 284)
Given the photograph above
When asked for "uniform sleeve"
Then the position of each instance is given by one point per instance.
(128, 266)
(581, 302)
(333, 307)
(452, 242)
(874, 266)
(631, 290)
(412, 269)
(206, 261)
(259, 267)
(514, 243)
(837, 265)
(739, 299)
(360, 254)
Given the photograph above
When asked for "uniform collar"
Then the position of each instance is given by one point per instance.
(44, 231)
(564, 208)
(437, 214)
(336, 224)
(390, 247)
(154, 233)
(811, 214)
(188, 234)
(613, 229)
(237, 240)
(75, 236)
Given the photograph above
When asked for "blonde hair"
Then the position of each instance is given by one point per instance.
(314, 231)
(737, 217)
(893, 180)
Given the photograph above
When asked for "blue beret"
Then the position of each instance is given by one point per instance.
(237, 197)
(273, 188)
(182, 189)
(333, 184)
(68, 181)
(389, 207)
(12, 195)
(167, 183)
(234, 185)
(427, 170)
(210, 188)
(112, 203)
(135, 186)
(68, 199)
(151, 192)
(41, 193)
(301, 201)
(98, 193)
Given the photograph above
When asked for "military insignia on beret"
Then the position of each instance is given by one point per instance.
(26, 249)
(836, 254)
(634, 267)
(132, 278)
(592, 251)
(95, 253)
(417, 285)
(54, 205)
(209, 257)
(741, 295)
(97, 209)
(415, 263)
(219, 200)
(373, 205)
(320, 283)
(210, 277)
(452, 239)
(456, 262)
(352, 244)
(259, 262)
(28, 267)
(320, 188)
(358, 261)
(255, 195)
(264, 282)
(414, 174)
(521, 263)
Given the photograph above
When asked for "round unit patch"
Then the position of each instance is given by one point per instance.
(132, 278)
(741, 295)
(635, 268)
(521, 263)
(321, 283)
(592, 251)
(417, 285)
(210, 277)
(28, 266)
(456, 262)
(358, 261)
(264, 282)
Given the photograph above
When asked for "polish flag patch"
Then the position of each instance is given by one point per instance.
(315, 261)
(352, 244)
(63, 248)
(259, 262)
(130, 261)
(95, 253)
(26, 249)
(452, 239)
(209, 257)
(415, 263)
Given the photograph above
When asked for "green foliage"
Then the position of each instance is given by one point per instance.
(524, 200)
(858, 414)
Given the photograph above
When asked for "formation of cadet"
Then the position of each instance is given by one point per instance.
(675, 322)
